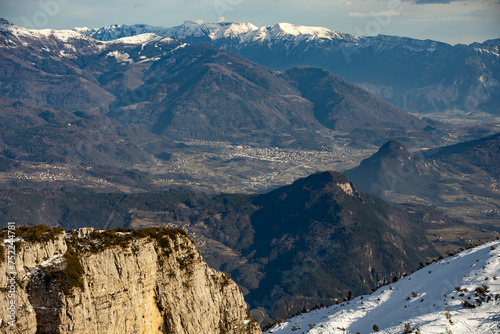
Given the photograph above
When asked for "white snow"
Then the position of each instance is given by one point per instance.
(82, 30)
(53, 260)
(182, 45)
(430, 299)
(481, 50)
(138, 39)
(120, 56)
(292, 31)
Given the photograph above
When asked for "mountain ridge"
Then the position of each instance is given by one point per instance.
(460, 177)
(380, 63)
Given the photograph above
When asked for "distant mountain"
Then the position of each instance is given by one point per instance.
(416, 75)
(460, 177)
(342, 106)
(481, 154)
(458, 294)
(182, 91)
(390, 169)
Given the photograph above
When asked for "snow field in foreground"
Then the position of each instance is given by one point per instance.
(431, 300)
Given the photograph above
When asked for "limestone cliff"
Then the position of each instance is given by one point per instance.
(143, 281)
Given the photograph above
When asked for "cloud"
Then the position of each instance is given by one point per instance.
(383, 13)
(425, 2)
(459, 18)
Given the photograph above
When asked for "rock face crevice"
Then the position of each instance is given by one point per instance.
(137, 287)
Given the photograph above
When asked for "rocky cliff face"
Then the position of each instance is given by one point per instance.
(153, 282)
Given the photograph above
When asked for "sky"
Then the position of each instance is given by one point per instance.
(450, 21)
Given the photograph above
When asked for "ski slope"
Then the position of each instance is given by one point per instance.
(430, 300)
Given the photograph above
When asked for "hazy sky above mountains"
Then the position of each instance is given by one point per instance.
(451, 21)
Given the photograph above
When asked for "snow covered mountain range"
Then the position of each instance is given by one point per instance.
(242, 32)
(416, 75)
(272, 34)
(458, 294)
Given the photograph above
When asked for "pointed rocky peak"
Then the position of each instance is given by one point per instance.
(393, 150)
(311, 189)
(327, 177)
(392, 147)
(391, 161)
(329, 181)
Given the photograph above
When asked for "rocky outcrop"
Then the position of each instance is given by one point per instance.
(132, 282)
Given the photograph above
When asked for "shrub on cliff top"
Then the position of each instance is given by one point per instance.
(69, 275)
(38, 233)
(98, 241)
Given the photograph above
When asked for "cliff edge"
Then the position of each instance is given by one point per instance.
(116, 281)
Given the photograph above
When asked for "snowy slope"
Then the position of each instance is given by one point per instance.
(430, 299)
